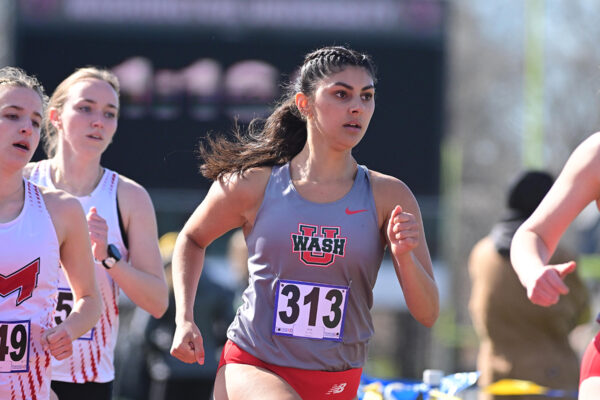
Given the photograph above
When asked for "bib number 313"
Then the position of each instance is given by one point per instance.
(14, 346)
(310, 310)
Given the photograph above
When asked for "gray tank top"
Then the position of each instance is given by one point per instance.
(312, 270)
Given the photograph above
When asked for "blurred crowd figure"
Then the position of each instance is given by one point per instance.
(203, 89)
(148, 371)
(518, 339)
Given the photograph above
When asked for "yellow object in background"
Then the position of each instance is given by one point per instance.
(506, 387)
(373, 391)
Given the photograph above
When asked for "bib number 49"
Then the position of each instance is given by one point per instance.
(309, 310)
(14, 346)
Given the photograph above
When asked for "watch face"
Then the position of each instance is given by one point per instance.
(110, 262)
(114, 252)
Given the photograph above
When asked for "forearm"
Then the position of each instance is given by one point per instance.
(528, 254)
(86, 312)
(143, 288)
(419, 287)
(188, 261)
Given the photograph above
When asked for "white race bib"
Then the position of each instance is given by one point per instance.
(64, 306)
(310, 310)
(14, 346)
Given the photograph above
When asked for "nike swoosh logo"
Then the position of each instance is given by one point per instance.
(352, 212)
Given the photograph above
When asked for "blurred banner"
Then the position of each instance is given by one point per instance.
(415, 17)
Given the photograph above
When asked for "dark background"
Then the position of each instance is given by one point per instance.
(403, 138)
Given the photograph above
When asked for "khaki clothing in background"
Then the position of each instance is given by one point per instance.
(518, 339)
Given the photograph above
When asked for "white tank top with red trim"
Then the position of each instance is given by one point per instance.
(29, 274)
(93, 353)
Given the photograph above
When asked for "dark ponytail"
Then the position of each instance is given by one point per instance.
(272, 142)
(282, 135)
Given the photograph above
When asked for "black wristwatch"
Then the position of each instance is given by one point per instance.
(114, 255)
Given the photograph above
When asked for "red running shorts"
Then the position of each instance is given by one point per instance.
(307, 383)
(590, 363)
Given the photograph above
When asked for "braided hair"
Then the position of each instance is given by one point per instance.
(280, 137)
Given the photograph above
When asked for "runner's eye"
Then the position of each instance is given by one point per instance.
(341, 94)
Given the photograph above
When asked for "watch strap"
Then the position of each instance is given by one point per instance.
(105, 265)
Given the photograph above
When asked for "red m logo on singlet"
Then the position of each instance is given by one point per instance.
(320, 250)
(23, 280)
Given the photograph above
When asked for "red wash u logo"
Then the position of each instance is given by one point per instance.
(318, 251)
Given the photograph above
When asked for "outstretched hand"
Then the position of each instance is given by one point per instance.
(545, 288)
(188, 345)
(402, 231)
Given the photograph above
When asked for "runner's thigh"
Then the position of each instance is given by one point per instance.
(248, 382)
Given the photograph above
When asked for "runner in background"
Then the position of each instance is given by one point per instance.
(40, 229)
(316, 224)
(81, 123)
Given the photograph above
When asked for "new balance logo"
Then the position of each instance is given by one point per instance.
(337, 388)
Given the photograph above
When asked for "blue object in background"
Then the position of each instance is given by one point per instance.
(413, 390)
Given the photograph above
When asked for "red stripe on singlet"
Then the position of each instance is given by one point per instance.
(32, 386)
(72, 363)
(97, 345)
(36, 192)
(83, 368)
(38, 371)
(13, 394)
(108, 319)
(103, 329)
(103, 318)
(106, 313)
(112, 182)
(115, 290)
(93, 361)
(22, 388)
(45, 354)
